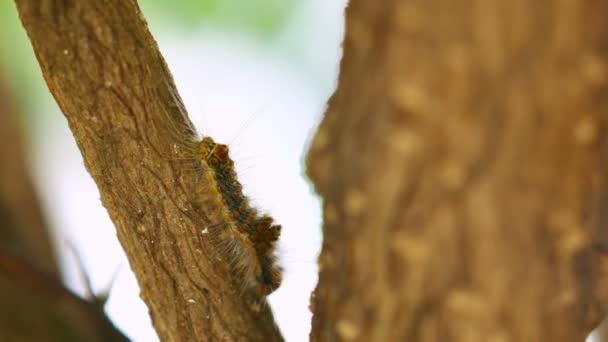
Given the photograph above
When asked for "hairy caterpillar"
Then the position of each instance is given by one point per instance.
(251, 237)
(248, 238)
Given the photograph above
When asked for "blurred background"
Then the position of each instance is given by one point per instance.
(255, 74)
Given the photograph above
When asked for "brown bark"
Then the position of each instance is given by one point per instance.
(463, 162)
(34, 305)
(105, 71)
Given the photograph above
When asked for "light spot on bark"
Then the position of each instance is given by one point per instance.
(355, 202)
(312, 301)
(409, 97)
(465, 302)
(572, 242)
(405, 142)
(452, 176)
(570, 236)
(565, 299)
(593, 70)
(256, 307)
(410, 248)
(347, 330)
(101, 31)
(176, 148)
(586, 131)
(141, 229)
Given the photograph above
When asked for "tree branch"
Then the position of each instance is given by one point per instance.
(463, 162)
(105, 71)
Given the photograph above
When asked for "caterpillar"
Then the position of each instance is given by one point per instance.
(251, 238)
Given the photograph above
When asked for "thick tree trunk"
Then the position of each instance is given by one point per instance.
(463, 164)
(104, 69)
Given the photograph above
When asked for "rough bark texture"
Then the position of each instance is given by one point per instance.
(34, 305)
(463, 162)
(104, 69)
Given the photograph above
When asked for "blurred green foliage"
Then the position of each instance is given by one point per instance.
(260, 18)
(17, 61)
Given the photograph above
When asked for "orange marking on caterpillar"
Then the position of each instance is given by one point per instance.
(253, 236)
